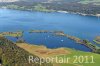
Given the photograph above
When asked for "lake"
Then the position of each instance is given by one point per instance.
(84, 27)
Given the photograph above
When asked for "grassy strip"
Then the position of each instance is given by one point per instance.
(84, 63)
(97, 42)
(13, 34)
(95, 2)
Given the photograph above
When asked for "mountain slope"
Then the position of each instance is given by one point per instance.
(12, 55)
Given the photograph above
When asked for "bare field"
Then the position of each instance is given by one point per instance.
(42, 51)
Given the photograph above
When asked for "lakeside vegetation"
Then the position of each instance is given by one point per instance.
(37, 7)
(13, 34)
(97, 40)
(40, 7)
(45, 31)
(84, 42)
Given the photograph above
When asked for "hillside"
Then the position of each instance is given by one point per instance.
(86, 7)
(12, 55)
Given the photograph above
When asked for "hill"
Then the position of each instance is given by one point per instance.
(12, 55)
(86, 7)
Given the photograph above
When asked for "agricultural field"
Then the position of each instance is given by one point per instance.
(90, 59)
(95, 2)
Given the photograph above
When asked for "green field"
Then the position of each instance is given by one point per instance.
(95, 2)
(96, 58)
(63, 53)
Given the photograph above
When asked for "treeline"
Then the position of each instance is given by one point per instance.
(74, 7)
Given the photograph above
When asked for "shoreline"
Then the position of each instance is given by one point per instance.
(83, 14)
(84, 42)
(60, 11)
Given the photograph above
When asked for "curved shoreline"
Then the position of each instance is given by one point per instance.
(66, 12)
(84, 42)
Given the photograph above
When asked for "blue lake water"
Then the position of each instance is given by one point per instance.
(84, 27)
